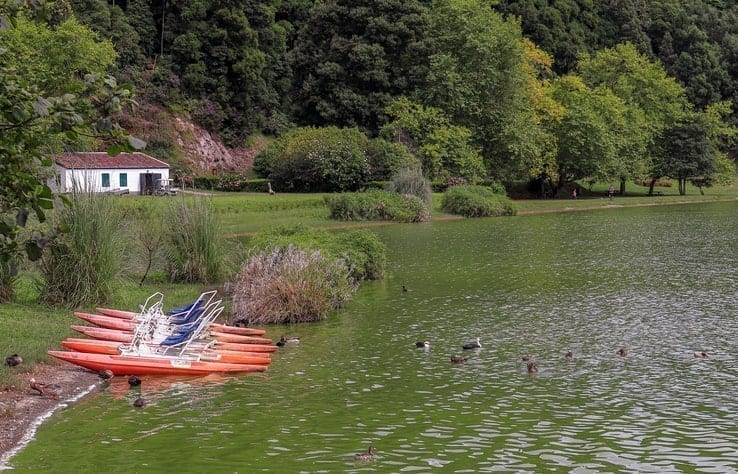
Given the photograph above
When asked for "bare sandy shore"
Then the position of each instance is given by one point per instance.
(22, 410)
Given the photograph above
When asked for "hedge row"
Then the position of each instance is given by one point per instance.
(476, 201)
(231, 182)
(377, 205)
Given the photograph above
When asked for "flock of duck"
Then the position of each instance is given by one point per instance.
(528, 358)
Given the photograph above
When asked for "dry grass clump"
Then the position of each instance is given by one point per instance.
(289, 285)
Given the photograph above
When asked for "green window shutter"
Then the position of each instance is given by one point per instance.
(106, 180)
(123, 180)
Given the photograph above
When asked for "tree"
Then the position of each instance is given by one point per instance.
(353, 57)
(32, 119)
(445, 150)
(690, 148)
(479, 76)
(652, 97)
(589, 133)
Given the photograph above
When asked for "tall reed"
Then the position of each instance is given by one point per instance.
(81, 267)
(290, 285)
(195, 247)
(411, 181)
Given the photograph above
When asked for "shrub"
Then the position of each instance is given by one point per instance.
(377, 205)
(388, 158)
(315, 160)
(361, 250)
(476, 201)
(290, 285)
(83, 263)
(195, 249)
(411, 181)
(208, 182)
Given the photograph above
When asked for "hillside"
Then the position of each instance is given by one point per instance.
(185, 145)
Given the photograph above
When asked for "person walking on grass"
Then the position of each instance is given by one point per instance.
(611, 192)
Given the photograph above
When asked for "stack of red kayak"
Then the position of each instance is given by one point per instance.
(183, 341)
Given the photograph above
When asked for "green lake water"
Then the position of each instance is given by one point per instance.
(659, 281)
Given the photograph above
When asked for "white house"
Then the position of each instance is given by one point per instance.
(135, 173)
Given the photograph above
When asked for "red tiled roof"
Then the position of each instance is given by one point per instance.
(101, 160)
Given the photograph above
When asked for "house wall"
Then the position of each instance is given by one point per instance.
(93, 179)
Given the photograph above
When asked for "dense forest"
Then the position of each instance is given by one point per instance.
(544, 91)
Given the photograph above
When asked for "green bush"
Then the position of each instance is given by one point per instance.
(290, 285)
(377, 205)
(207, 182)
(388, 158)
(315, 160)
(476, 201)
(257, 185)
(362, 251)
(411, 181)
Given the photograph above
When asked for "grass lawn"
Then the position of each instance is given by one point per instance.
(30, 329)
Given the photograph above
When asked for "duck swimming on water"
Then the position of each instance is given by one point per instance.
(532, 368)
(424, 344)
(622, 352)
(134, 381)
(700, 354)
(473, 345)
(288, 340)
(369, 454)
(458, 359)
(569, 355)
(526, 357)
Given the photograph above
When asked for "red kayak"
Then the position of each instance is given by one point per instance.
(117, 313)
(237, 330)
(108, 322)
(104, 334)
(235, 346)
(95, 346)
(228, 337)
(139, 365)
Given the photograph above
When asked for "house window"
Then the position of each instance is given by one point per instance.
(123, 180)
(106, 180)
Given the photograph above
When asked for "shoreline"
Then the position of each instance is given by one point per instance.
(23, 411)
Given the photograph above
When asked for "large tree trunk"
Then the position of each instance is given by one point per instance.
(622, 186)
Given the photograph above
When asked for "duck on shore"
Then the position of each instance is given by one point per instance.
(13, 360)
(51, 390)
(106, 374)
